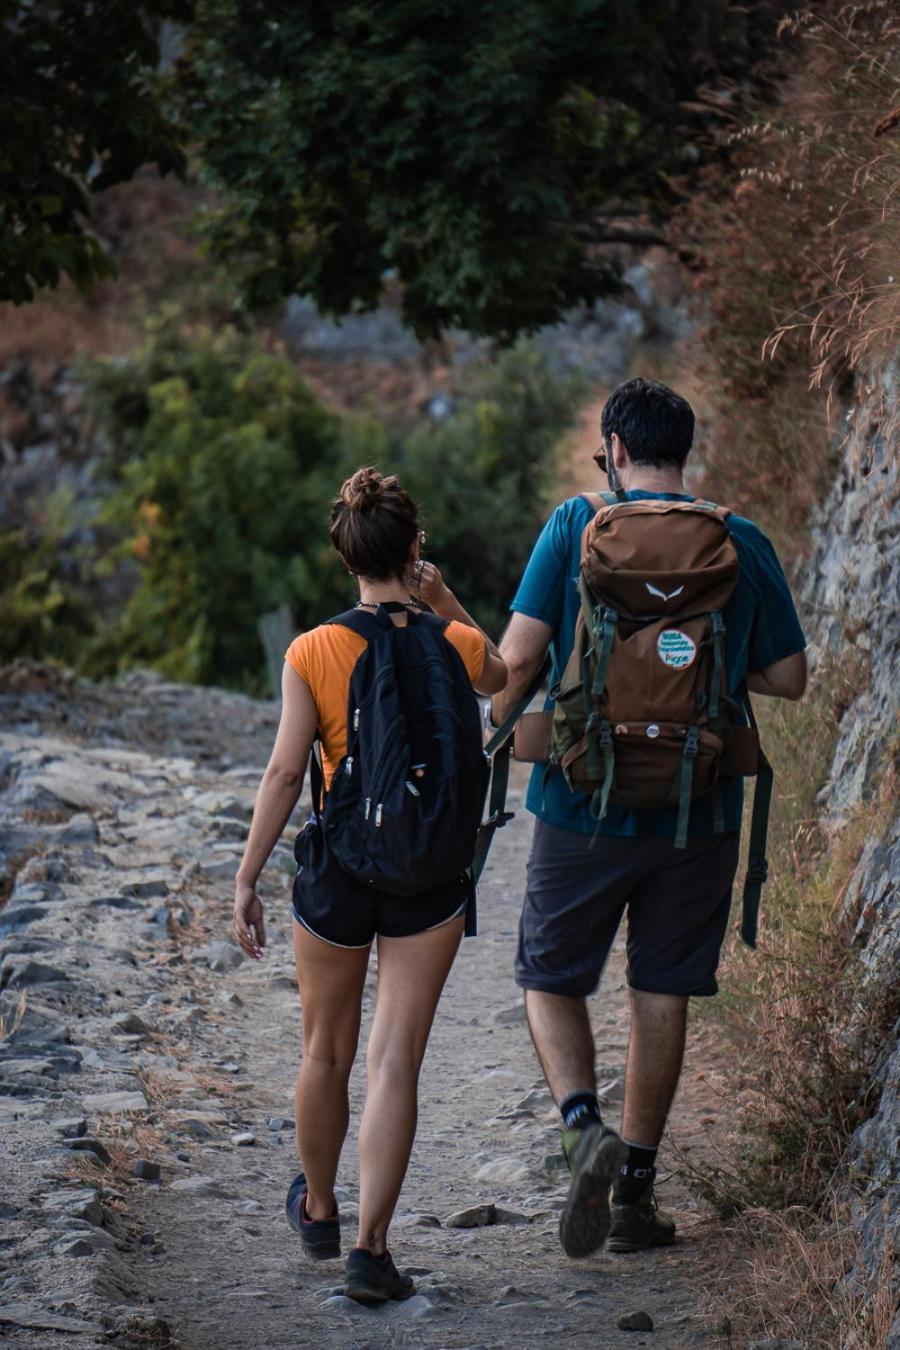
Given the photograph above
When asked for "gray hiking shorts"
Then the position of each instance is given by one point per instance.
(577, 891)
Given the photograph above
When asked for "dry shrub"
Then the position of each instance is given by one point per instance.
(799, 1282)
(804, 1023)
(796, 266)
(146, 224)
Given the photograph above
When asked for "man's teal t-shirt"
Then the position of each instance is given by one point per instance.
(761, 626)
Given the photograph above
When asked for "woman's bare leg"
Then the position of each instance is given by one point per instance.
(331, 981)
(411, 975)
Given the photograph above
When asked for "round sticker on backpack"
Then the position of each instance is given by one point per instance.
(676, 649)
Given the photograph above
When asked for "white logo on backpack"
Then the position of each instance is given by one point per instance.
(654, 590)
(676, 649)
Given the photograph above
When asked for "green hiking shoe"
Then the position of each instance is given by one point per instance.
(640, 1224)
(594, 1154)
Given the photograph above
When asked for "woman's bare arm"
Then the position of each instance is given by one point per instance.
(427, 584)
(276, 798)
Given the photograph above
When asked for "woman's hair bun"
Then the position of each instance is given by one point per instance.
(374, 524)
(362, 491)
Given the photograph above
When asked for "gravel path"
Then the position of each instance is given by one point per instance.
(121, 829)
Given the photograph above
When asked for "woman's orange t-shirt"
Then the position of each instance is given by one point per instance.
(324, 658)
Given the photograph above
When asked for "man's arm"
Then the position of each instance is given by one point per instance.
(523, 647)
(782, 679)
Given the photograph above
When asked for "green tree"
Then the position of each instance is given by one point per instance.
(478, 151)
(81, 111)
(226, 464)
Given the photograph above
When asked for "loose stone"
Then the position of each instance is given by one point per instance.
(145, 1170)
(635, 1321)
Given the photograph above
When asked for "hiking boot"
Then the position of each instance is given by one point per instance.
(375, 1279)
(594, 1154)
(321, 1238)
(639, 1224)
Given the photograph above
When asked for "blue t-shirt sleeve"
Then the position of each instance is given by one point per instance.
(776, 631)
(543, 586)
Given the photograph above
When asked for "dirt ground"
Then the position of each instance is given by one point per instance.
(203, 1259)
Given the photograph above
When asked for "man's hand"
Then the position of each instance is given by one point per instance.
(249, 928)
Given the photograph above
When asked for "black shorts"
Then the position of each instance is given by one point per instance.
(337, 908)
(578, 889)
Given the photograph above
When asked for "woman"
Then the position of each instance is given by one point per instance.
(375, 530)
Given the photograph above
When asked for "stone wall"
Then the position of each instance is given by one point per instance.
(853, 597)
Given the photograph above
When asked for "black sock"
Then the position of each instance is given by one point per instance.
(579, 1109)
(637, 1171)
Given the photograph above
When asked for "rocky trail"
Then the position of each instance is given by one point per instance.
(146, 1073)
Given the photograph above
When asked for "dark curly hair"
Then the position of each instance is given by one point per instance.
(655, 424)
(374, 524)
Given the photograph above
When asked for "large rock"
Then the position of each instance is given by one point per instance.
(114, 1103)
(853, 583)
(18, 972)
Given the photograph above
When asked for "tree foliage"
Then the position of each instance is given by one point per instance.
(81, 112)
(225, 463)
(473, 150)
(224, 467)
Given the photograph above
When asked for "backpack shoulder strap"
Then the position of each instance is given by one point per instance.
(429, 619)
(367, 626)
(723, 512)
(597, 499)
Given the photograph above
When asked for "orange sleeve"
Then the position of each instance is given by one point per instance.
(470, 644)
(297, 656)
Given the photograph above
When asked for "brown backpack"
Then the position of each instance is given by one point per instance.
(642, 716)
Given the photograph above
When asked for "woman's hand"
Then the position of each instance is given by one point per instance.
(427, 584)
(249, 928)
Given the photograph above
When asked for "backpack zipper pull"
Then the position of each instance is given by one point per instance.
(356, 720)
(378, 814)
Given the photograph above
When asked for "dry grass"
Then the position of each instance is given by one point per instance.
(850, 149)
(799, 1284)
(802, 1079)
(797, 267)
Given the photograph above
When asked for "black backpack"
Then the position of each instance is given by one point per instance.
(405, 803)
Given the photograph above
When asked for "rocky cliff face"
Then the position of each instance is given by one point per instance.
(852, 594)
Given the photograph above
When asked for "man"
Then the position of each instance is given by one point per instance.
(579, 886)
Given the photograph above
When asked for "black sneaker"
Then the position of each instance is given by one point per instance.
(321, 1238)
(594, 1154)
(375, 1279)
(638, 1224)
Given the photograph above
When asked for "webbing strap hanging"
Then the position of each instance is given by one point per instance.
(600, 799)
(685, 783)
(607, 635)
(757, 864)
(718, 640)
(498, 749)
(587, 608)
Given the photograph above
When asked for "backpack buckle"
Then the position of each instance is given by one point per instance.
(606, 735)
(692, 744)
(499, 819)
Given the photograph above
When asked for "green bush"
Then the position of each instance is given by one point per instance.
(43, 610)
(482, 477)
(225, 465)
